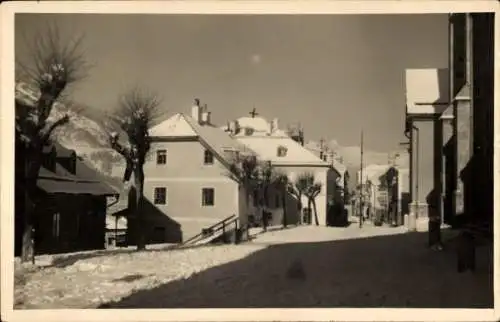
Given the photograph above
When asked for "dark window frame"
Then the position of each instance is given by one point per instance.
(208, 200)
(161, 156)
(208, 157)
(157, 195)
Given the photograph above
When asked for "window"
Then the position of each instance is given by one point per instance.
(207, 196)
(281, 152)
(248, 131)
(160, 197)
(208, 157)
(161, 157)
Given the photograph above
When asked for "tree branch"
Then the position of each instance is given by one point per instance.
(46, 135)
(115, 145)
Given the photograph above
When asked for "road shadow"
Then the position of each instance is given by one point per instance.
(384, 271)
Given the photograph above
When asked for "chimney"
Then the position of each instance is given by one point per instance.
(236, 127)
(196, 110)
(205, 115)
(275, 124)
(301, 137)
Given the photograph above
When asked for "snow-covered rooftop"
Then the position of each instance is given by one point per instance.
(182, 125)
(267, 148)
(258, 124)
(175, 126)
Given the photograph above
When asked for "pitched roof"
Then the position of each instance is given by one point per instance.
(175, 126)
(74, 187)
(84, 181)
(315, 148)
(219, 140)
(267, 148)
(182, 125)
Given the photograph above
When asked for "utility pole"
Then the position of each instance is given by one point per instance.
(361, 186)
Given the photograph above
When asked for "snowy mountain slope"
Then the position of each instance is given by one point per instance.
(85, 132)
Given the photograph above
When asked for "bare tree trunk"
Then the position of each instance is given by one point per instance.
(139, 215)
(300, 208)
(264, 207)
(283, 202)
(315, 211)
(32, 167)
(309, 211)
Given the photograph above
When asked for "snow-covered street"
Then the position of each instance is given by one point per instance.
(298, 267)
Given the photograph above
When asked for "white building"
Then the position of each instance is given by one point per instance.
(287, 154)
(336, 163)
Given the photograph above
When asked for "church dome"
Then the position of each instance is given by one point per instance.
(258, 124)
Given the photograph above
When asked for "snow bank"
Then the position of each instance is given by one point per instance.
(98, 279)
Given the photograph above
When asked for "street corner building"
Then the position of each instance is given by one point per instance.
(71, 206)
(458, 101)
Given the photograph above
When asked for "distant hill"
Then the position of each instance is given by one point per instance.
(85, 133)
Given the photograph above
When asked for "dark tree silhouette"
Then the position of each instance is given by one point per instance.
(51, 65)
(244, 169)
(136, 112)
(298, 188)
(311, 192)
(272, 177)
(256, 177)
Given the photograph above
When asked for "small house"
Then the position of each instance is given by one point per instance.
(71, 203)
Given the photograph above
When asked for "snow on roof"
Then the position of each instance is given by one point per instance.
(175, 126)
(182, 125)
(316, 148)
(267, 148)
(216, 138)
(426, 90)
(258, 124)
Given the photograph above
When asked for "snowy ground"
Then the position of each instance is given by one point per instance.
(298, 267)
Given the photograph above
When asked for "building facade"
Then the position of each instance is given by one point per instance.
(187, 184)
(339, 195)
(287, 154)
(460, 105)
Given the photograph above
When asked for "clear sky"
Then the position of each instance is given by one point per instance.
(336, 74)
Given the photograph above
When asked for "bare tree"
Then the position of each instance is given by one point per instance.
(244, 169)
(136, 112)
(347, 194)
(298, 188)
(282, 181)
(312, 191)
(305, 185)
(52, 64)
(272, 177)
